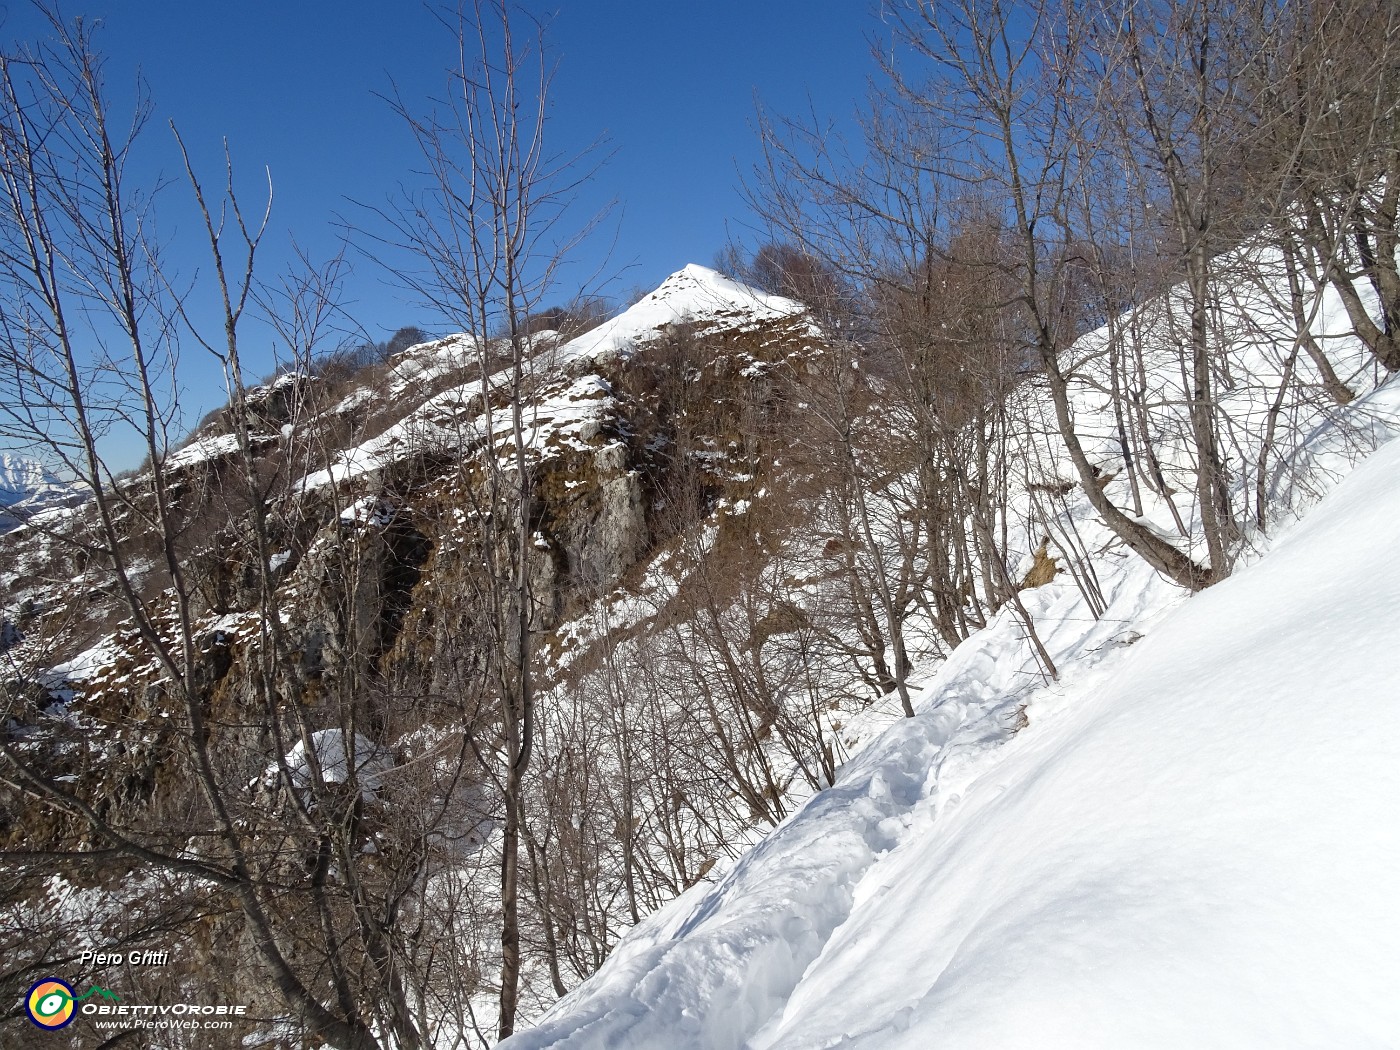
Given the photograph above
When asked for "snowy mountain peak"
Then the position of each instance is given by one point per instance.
(692, 295)
(698, 292)
(28, 488)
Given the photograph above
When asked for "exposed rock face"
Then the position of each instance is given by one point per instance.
(375, 558)
(595, 516)
(355, 581)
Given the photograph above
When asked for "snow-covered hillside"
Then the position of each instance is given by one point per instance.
(1179, 839)
(1189, 839)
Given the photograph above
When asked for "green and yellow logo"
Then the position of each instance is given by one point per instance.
(50, 1002)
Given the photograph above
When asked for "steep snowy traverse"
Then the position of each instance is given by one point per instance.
(1188, 840)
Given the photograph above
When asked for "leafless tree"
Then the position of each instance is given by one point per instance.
(487, 235)
(271, 845)
(996, 91)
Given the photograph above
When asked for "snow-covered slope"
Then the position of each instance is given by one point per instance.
(1188, 840)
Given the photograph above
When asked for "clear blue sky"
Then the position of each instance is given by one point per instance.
(293, 85)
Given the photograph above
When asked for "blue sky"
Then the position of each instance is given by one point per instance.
(292, 84)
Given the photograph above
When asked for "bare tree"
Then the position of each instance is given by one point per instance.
(487, 237)
(270, 845)
(1328, 104)
(997, 90)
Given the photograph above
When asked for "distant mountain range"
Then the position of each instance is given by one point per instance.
(27, 487)
(22, 478)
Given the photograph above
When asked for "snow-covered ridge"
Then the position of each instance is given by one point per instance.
(201, 450)
(571, 401)
(565, 414)
(28, 491)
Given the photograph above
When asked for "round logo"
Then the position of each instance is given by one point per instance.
(50, 1003)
